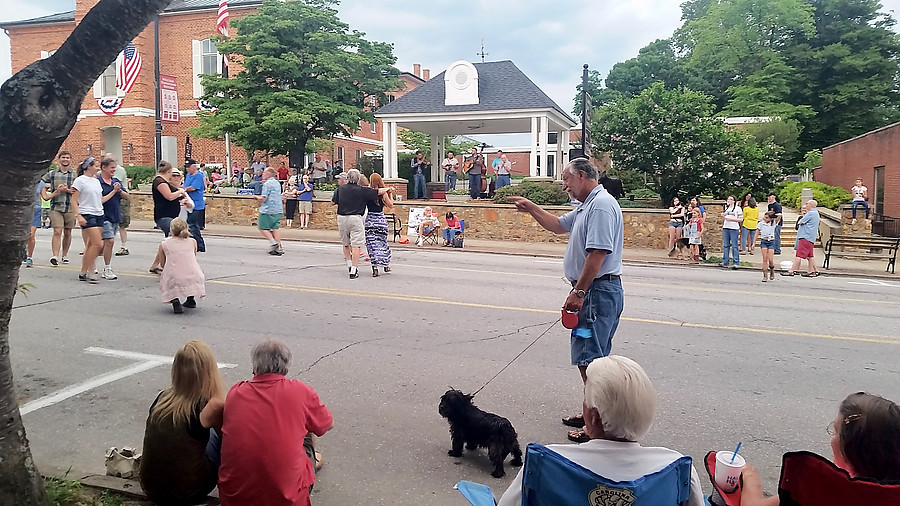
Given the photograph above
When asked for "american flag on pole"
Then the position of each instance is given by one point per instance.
(128, 68)
(222, 25)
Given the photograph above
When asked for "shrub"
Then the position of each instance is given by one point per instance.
(140, 174)
(458, 191)
(827, 196)
(644, 193)
(326, 187)
(625, 203)
(546, 194)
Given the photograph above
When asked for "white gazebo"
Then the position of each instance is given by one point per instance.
(472, 99)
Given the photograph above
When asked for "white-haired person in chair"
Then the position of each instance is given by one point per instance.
(619, 403)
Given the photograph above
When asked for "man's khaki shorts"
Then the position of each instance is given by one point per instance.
(352, 230)
(60, 220)
(125, 207)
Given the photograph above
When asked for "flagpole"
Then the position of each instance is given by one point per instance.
(222, 28)
(158, 92)
(227, 135)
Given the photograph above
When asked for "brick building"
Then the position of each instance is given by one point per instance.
(874, 157)
(186, 51)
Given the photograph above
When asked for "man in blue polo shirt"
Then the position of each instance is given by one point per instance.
(592, 263)
(195, 185)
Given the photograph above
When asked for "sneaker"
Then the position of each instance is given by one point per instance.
(354, 275)
(53, 261)
(65, 260)
(122, 252)
(853, 222)
(90, 278)
(280, 249)
(29, 262)
(734, 267)
(109, 274)
(419, 242)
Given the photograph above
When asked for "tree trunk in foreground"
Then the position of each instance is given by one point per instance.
(38, 108)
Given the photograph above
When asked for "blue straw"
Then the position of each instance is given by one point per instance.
(735, 453)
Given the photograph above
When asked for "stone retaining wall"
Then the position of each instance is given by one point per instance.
(644, 228)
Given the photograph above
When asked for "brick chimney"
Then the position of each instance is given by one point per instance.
(82, 7)
(417, 70)
(426, 74)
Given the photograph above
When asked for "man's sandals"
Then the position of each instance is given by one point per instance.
(578, 435)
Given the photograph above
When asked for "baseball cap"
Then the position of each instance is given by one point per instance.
(189, 162)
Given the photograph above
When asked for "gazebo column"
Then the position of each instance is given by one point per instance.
(390, 159)
(436, 150)
(561, 144)
(565, 154)
(545, 138)
(532, 161)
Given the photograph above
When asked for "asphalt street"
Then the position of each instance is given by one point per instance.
(732, 359)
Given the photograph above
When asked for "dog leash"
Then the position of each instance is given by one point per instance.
(517, 356)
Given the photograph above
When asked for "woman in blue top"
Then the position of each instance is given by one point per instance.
(305, 195)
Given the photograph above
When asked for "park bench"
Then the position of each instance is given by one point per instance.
(857, 246)
(396, 225)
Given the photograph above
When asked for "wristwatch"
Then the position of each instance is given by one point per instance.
(579, 293)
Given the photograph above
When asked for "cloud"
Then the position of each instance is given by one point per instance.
(549, 42)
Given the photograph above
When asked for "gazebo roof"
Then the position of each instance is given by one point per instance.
(507, 100)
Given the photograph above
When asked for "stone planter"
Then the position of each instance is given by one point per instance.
(457, 199)
(228, 190)
(322, 194)
(145, 187)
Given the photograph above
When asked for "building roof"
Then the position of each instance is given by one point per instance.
(176, 6)
(501, 87)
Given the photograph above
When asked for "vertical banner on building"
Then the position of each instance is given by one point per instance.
(169, 96)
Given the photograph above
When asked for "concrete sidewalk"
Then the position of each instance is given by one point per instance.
(839, 266)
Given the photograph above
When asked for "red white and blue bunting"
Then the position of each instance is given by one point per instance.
(110, 105)
(203, 105)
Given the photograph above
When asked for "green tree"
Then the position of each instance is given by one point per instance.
(599, 94)
(654, 62)
(306, 75)
(673, 138)
(38, 108)
(847, 71)
(421, 141)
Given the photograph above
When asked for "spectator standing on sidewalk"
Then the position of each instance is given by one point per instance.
(195, 185)
(807, 232)
(592, 263)
(114, 194)
(750, 223)
(125, 207)
(270, 211)
(732, 217)
(676, 223)
(775, 207)
(58, 191)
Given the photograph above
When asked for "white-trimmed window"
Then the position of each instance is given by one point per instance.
(206, 61)
(105, 85)
(358, 155)
(340, 153)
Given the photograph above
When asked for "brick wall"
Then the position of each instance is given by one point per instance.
(643, 228)
(844, 162)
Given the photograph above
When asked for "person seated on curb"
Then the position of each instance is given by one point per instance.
(181, 452)
(427, 225)
(865, 442)
(453, 228)
(619, 403)
(268, 453)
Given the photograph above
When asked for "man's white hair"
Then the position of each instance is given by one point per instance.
(622, 394)
(353, 176)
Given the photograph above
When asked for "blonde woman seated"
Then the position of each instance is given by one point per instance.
(181, 458)
(428, 224)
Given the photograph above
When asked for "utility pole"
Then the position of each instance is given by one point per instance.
(158, 92)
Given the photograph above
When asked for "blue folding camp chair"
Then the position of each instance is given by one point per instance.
(549, 479)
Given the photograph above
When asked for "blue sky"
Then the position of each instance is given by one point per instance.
(549, 41)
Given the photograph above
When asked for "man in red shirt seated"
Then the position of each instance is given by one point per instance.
(264, 459)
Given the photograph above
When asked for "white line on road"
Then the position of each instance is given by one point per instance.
(133, 355)
(147, 362)
(84, 386)
(873, 282)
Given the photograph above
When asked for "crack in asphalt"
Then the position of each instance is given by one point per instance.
(54, 301)
(339, 350)
(498, 336)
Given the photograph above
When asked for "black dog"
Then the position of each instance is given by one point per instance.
(476, 428)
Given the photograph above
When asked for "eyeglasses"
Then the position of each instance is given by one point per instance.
(829, 429)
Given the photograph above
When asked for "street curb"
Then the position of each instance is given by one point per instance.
(130, 488)
(627, 261)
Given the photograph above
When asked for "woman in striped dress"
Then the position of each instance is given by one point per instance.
(377, 227)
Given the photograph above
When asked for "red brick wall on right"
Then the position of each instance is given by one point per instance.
(843, 163)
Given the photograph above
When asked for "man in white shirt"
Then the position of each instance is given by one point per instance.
(450, 164)
(619, 403)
